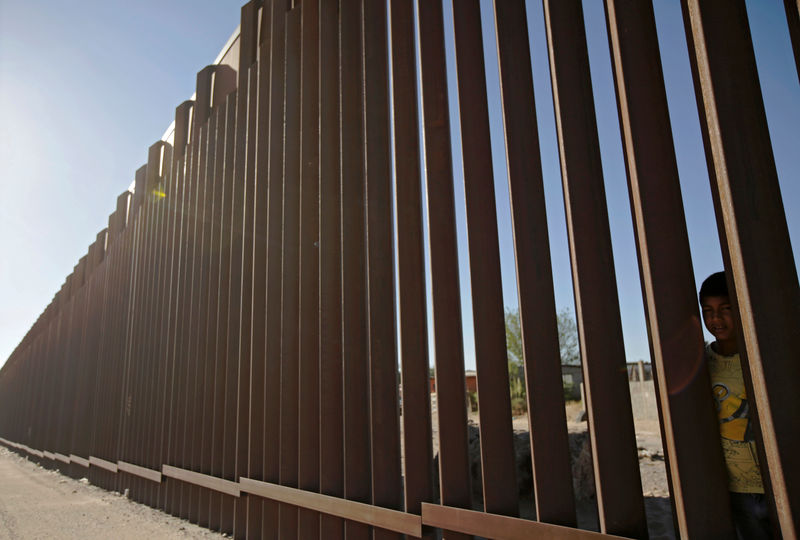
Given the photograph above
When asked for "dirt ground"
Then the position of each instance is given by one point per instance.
(651, 468)
(36, 502)
(40, 503)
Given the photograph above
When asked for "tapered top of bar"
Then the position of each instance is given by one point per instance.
(183, 121)
(102, 238)
(202, 105)
(224, 84)
(91, 258)
(96, 252)
(123, 206)
(116, 220)
(140, 186)
(155, 165)
(80, 272)
(248, 38)
(113, 228)
(66, 290)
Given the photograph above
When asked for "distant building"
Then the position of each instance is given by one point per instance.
(571, 376)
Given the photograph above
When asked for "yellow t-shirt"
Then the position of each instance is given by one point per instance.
(733, 412)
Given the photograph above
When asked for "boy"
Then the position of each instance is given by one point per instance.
(748, 503)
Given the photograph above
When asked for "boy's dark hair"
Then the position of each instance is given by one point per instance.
(714, 285)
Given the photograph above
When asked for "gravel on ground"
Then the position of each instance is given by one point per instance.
(36, 502)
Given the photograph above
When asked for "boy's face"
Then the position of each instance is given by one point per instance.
(718, 318)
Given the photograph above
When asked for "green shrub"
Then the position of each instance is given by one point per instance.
(473, 401)
(568, 387)
(518, 406)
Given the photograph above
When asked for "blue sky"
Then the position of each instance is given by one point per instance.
(85, 91)
(782, 95)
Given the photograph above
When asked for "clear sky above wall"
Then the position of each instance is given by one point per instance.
(84, 91)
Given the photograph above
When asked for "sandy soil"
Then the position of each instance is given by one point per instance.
(651, 467)
(39, 503)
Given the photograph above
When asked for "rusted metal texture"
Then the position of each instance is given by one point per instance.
(412, 318)
(753, 233)
(382, 352)
(269, 196)
(247, 344)
(308, 455)
(454, 479)
(331, 458)
(497, 447)
(355, 375)
(290, 279)
(237, 403)
(616, 470)
(691, 443)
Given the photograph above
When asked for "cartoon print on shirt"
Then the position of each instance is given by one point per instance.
(733, 412)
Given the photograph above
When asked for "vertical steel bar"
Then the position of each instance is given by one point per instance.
(126, 284)
(96, 389)
(415, 393)
(172, 190)
(93, 326)
(753, 233)
(136, 341)
(227, 378)
(354, 314)
(163, 307)
(199, 263)
(86, 386)
(99, 405)
(50, 423)
(691, 442)
(290, 281)
(237, 391)
(382, 360)
(122, 299)
(255, 273)
(39, 374)
(233, 442)
(156, 195)
(141, 335)
(201, 404)
(239, 325)
(106, 406)
(238, 377)
(65, 363)
(257, 277)
(154, 277)
(98, 325)
(331, 430)
(106, 409)
(224, 80)
(451, 398)
(77, 369)
(220, 85)
(85, 378)
(497, 445)
(183, 136)
(187, 280)
(272, 176)
(308, 458)
(616, 465)
(214, 374)
(132, 358)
